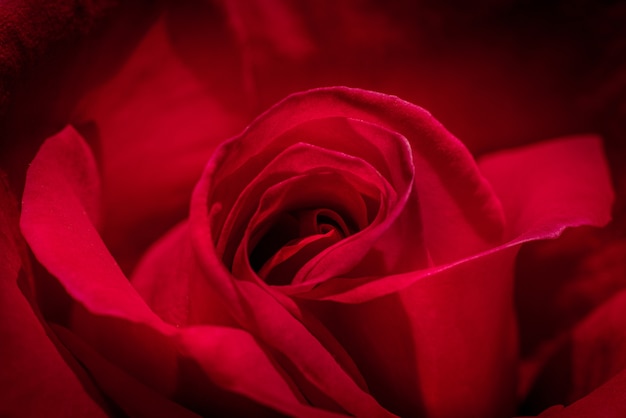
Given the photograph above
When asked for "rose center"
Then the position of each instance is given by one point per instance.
(293, 240)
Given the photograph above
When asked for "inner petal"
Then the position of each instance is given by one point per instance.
(283, 266)
(320, 221)
(317, 205)
(375, 166)
(317, 229)
(258, 158)
(297, 160)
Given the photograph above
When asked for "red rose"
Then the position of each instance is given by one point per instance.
(345, 253)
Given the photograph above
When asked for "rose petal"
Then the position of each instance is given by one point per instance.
(296, 161)
(325, 190)
(249, 158)
(258, 311)
(560, 282)
(210, 371)
(395, 227)
(569, 186)
(548, 186)
(448, 337)
(288, 260)
(209, 359)
(109, 315)
(134, 398)
(164, 259)
(36, 378)
(169, 280)
(60, 203)
(60, 186)
(242, 366)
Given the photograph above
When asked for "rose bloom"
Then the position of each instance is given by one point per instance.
(198, 218)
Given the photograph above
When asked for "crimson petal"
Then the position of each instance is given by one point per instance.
(36, 378)
(110, 317)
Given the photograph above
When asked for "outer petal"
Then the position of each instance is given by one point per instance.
(37, 379)
(131, 396)
(558, 282)
(551, 185)
(113, 324)
(444, 346)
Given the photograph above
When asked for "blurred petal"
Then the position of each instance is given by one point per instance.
(588, 372)
(496, 75)
(49, 58)
(157, 119)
